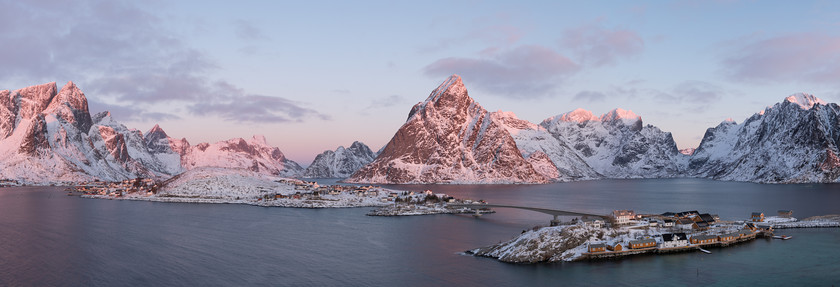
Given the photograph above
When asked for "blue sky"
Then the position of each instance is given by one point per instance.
(313, 75)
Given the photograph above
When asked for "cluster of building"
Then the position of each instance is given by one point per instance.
(706, 229)
(312, 190)
(686, 220)
(305, 190)
(146, 186)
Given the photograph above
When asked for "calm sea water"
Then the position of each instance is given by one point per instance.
(50, 239)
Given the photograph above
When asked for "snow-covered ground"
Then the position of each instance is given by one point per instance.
(812, 222)
(227, 185)
(242, 186)
(557, 243)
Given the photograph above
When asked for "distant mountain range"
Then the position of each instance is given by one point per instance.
(340, 163)
(449, 138)
(48, 136)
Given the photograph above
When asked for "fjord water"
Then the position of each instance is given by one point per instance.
(50, 239)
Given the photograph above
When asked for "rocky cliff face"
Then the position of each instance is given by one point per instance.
(793, 141)
(449, 138)
(340, 163)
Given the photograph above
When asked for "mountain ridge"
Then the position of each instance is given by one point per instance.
(49, 136)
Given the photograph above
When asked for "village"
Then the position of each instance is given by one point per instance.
(678, 232)
(625, 233)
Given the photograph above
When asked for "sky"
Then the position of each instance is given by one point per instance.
(315, 75)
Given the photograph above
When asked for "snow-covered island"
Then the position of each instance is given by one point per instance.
(242, 186)
(630, 234)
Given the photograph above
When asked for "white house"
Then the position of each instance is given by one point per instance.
(623, 216)
(670, 240)
(684, 223)
(594, 222)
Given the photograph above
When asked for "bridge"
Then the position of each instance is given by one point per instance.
(553, 212)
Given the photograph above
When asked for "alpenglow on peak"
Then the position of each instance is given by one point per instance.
(805, 101)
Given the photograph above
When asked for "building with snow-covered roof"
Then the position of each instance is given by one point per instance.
(642, 243)
(684, 223)
(671, 240)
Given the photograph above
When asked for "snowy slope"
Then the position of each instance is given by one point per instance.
(550, 244)
(228, 184)
(340, 163)
(617, 144)
(535, 142)
(254, 154)
(792, 141)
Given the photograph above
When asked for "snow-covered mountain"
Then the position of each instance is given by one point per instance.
(792, 141)
(254, 154)
(49, 136)
(449, 138)
(617, 144)
(544, 151)
(340, 163)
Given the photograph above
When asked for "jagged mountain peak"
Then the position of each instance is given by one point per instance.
(157, 132)
(625, 116)
(805, 101)
(449, 138)
(259, 140)
(33, 100)
(101, 116)
(340, 163)
(71, 105)
(450, 95)
(578, 115)
(452, 85)
(358, 145)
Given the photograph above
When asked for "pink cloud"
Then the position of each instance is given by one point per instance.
(128, 61)
(804, 57)
(522, 72)
(597, 46)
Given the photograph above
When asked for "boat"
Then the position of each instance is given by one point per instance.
(782, 237)
(704, 250)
